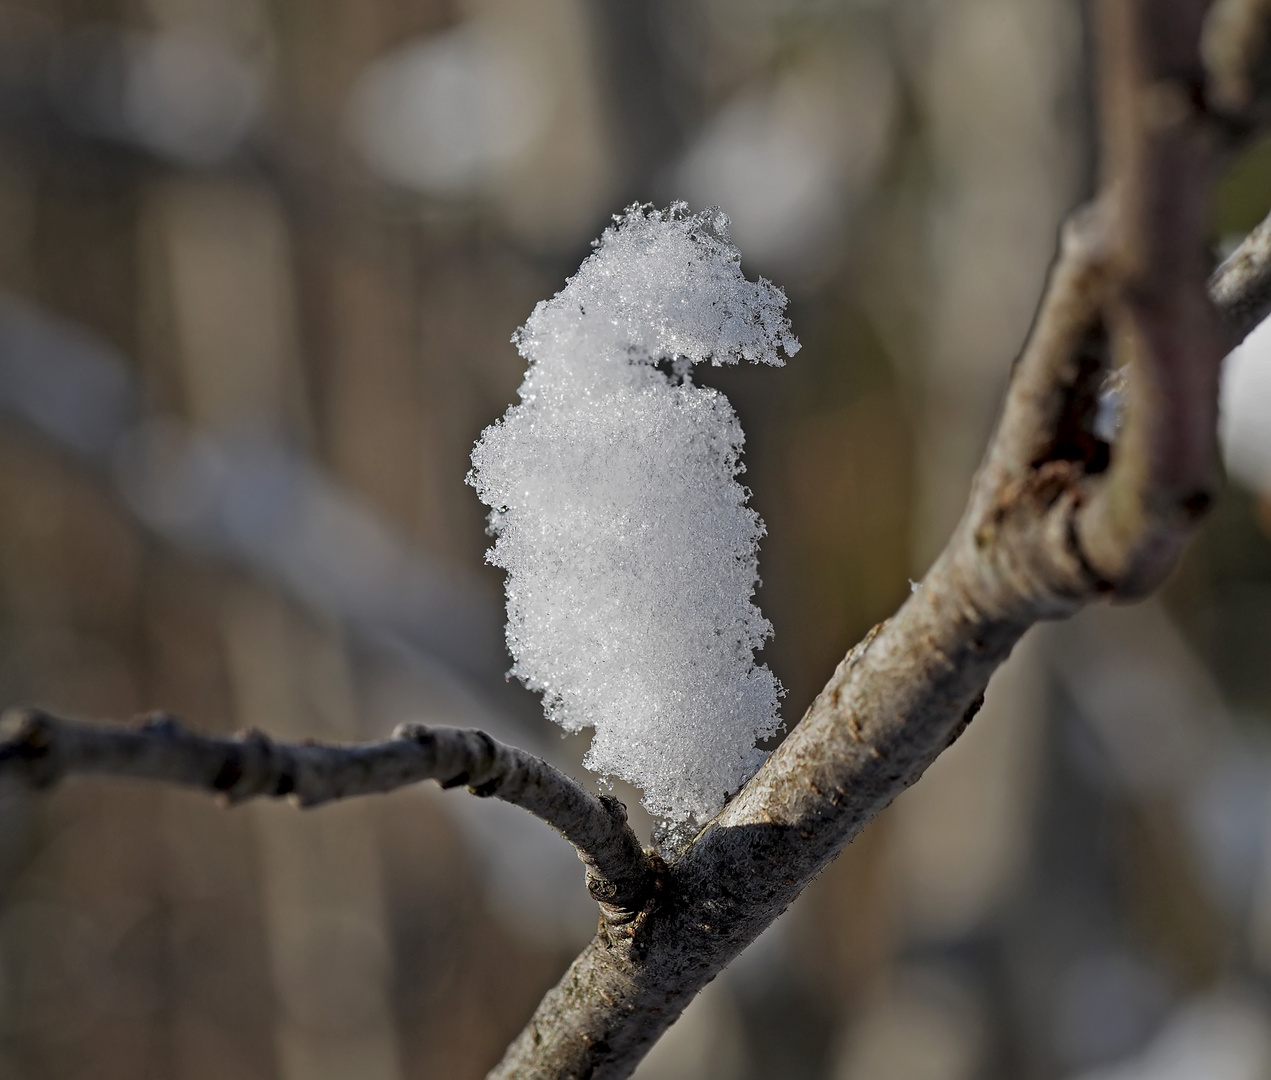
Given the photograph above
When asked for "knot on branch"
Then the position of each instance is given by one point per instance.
(616, 807)
(625, 901)
(602, 890)
(462, 758)
(485, 775)
(30, 743)
(253, 766)
(416, 733)
(1031, 496)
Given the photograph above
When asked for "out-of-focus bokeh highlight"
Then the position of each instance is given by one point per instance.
(259, 263)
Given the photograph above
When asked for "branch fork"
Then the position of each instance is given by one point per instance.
(43, 749)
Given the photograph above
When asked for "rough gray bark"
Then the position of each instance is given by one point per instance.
(1056, 519)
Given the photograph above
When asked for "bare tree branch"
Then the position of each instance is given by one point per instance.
(1234, 47)
(43, 749)
(1056, 519)
(1241, 286)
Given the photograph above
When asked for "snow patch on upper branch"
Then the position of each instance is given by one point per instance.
(631, 554)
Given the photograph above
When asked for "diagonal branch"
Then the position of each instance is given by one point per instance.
(43, 749)
(1057, 518)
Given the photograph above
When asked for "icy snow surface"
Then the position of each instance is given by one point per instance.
(630, 552)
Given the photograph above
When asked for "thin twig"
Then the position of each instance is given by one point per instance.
(43, 749)
(1239, 63)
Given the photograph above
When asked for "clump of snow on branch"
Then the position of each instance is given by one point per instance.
(630, 552)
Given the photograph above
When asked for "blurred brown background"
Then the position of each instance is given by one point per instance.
(259, 263)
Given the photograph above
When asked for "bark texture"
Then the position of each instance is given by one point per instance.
(43, 749)
(1057, 518)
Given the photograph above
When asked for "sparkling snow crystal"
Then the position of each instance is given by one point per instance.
(630, 551)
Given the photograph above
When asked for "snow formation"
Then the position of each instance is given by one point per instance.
(630, 552)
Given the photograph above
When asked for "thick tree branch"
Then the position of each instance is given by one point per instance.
(43, 749)
(1161, 153)
(1057, 518)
